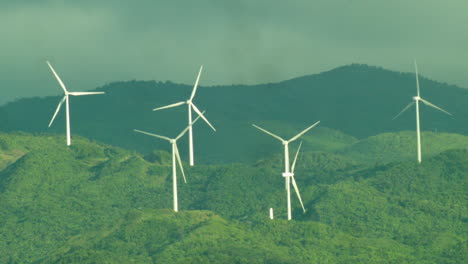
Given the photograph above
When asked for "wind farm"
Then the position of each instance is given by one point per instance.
(116, 198)
(309, 162)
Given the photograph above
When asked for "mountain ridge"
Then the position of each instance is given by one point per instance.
(357, 100)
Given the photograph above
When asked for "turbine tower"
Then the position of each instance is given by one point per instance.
(67, 104)
(289, 174)
(191, 106)
(416, 100)
(175, 158)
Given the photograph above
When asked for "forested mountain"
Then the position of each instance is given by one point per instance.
(94, 203)
(108, 197)
(357, 100)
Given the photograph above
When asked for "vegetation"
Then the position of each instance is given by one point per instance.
(367, 199)
(388, 147)
(94, 203)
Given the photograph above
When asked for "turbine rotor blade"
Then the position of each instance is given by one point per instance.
(202, 116)
(434, 106)
(57, 77)
(187, 128)
(179, 161)
(417, 76)
(303, 132)
(183, 132)
(297, 192)
(57, 110)
(404, 109)
(196, 84)
(84, 93)
(151, 134)
(169, 106)
(269, 133)
(295, 158)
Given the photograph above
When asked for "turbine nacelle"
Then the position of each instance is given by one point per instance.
(417, 98)
(285, 143)
(288, 174)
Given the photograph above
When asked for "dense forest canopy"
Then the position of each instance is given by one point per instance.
(94, 203)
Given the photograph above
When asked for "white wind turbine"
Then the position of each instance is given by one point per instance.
(65, 99)
(175, 156)
(289, 174)
(191, 106)
(416, 100)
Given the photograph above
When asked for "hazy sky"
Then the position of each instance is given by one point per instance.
(91, 43)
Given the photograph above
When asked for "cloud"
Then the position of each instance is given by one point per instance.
(94, 42)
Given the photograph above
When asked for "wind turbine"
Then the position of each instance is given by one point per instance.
(191, 106)
(416, 100)
(67, 105)
(289, 174)
(175, 157)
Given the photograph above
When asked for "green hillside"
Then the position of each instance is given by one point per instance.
(94, 203)
(203, 237)
(387, 147)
